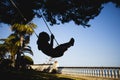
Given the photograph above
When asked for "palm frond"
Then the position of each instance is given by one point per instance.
(28, 47)
(2, 39)
(23, 29)
(28, 59)
(27, 50)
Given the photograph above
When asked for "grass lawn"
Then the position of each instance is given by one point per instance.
(30, 75)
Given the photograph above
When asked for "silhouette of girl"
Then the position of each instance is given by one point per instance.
(47, 47)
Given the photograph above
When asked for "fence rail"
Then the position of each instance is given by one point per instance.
(108, 72)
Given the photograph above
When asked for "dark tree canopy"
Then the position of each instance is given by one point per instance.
(54, 11)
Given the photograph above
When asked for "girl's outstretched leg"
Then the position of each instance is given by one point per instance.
(63, 47)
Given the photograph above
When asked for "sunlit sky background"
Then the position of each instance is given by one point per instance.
(98, 45)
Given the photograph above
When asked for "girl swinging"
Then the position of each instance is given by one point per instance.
(47, 48)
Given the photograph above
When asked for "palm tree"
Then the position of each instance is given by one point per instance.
(17, 42)
(11, 45)
(3, 49)
(23, 32)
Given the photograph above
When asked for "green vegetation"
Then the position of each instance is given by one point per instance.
(54, 11)
(12, 48)
(30, 75)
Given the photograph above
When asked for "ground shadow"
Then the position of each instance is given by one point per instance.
(28, 75)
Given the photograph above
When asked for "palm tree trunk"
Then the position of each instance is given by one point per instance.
(21, 40)
(19, 52)
(13, 60)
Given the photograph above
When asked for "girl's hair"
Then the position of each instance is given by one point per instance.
(43, 36)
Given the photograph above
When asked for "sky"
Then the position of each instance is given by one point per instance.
(98, 45)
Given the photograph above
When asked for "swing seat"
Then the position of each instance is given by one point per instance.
(50, 52)
(54, 55)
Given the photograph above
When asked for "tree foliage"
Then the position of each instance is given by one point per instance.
(23, 29)
(11, 45)
(54, 11)
(16, 45)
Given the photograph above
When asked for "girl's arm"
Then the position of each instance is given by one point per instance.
(51, 42)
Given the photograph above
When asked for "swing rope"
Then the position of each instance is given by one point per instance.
(47, 26)
(18, 10)
(32, 28)
(22, 15)
(50, 60)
